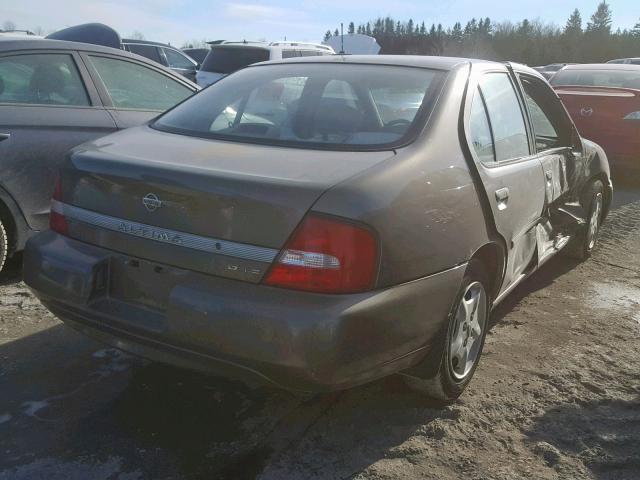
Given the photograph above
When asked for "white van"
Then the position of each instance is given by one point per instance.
(227, 57)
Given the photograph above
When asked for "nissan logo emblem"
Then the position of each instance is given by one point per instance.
(151, 202)
(586, 111)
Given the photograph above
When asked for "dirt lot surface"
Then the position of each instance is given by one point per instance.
(557, 395)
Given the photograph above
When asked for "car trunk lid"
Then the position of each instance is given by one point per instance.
(183, 200)
(599, 114)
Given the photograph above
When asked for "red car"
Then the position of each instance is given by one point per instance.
(604, 102)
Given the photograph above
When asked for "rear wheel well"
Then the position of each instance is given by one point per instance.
(491, 258)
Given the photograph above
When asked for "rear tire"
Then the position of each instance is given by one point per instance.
(586, 240)
(464, 340)
(4, 245)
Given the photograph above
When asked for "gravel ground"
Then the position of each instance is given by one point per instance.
(556, 396)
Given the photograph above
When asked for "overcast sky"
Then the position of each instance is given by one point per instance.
(178, 21)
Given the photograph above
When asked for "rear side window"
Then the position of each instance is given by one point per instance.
(505, 115)
(149, 51)
(229, 59)
(131, 85)
(47, 79)
(480, 130)
(177, 60)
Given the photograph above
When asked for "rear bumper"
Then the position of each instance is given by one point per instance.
(296, 340)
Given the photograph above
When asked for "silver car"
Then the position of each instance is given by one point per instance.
(320, 223)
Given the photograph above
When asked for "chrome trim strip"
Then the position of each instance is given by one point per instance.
(163, 235)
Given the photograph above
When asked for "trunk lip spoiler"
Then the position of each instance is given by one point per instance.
(164, 235)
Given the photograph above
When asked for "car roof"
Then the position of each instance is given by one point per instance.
(30, 43)
(423, 61)
(603, 66)
(440, 63)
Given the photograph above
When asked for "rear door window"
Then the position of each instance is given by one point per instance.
(43, 79)
(131, 85)
(480, 130)
(229, 59)
(148, 51)
(550, 124)
(505, 115)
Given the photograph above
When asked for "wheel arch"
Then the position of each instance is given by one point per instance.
(492, 257)
(14, 222)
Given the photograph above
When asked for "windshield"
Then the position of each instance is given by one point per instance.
(322, 104)
(229, 59)
(598, 78)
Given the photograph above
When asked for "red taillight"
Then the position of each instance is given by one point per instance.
(57, 220)
(326, 255)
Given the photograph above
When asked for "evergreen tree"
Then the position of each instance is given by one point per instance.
(423, 29)
(574, 24)
(327, 35)
(601, 19)
(456, 32)
(336, 33)
(410, 26)
(636, 30)
(352, 28)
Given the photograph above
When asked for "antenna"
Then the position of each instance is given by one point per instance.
(341, 38)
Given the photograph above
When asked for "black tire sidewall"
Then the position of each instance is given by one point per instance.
(451, 386)
(587, 202)
(4, 245)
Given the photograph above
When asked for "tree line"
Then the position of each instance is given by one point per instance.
(532, 42)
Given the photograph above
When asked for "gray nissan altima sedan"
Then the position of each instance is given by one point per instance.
(319, 223)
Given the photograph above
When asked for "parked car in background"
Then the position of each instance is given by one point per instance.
(548, 71)
(55, 95)
(632, 61)
(226, 57)
(604, 102)
(104, 35)
(294, 223)
(165, 55)
(198, 54)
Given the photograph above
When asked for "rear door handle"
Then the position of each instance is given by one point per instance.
(4, 136)
(502, 197)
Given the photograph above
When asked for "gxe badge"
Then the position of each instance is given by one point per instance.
(151, 202)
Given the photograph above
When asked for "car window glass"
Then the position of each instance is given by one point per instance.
(131, 85)
(394, 104)
(480, 131)
(49, 79)
(505, 114)
(598, 78)
(229, 59)
(550, 124)
(309, 53)
(177, 60)
(339, 92)
(309, 104)
(289, 53)
(271, 104)
(148, 51)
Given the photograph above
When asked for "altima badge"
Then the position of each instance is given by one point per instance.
(151, 202)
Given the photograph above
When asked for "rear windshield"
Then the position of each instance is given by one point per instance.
(324, 105)
(598, 78)
(229, 59)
